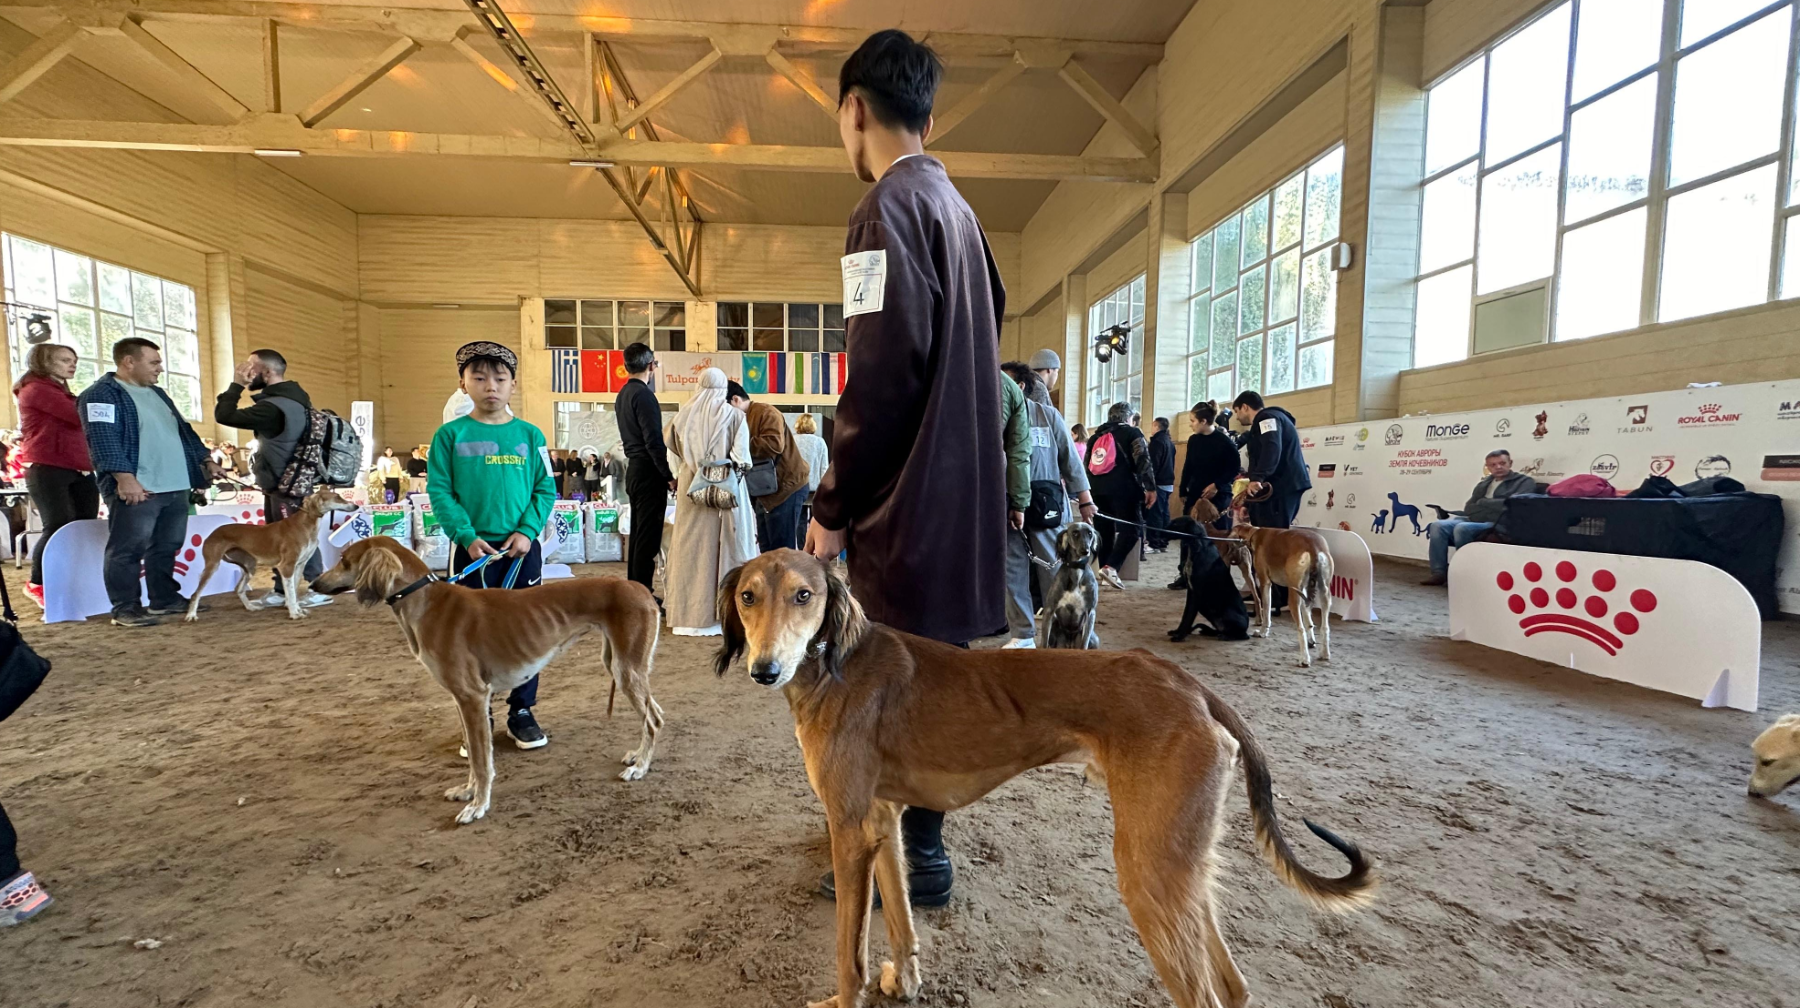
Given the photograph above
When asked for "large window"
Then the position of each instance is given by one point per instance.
(771, 325)
(91, 305)
(1610, 164)
(614, 325)
(1122, 378)
(1264, 306)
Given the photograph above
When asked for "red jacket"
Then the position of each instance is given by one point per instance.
(49, 426)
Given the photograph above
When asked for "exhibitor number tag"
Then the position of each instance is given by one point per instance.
(865, 280)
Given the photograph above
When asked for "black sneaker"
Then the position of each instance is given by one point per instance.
(134, 617)
(1179, 584)
(178, 608)
(524, 730)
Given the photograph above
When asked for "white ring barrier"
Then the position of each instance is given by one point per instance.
(1352, 575)
(75, 557)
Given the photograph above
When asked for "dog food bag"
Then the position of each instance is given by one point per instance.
(562, 534)
(602, 534)
(429, 539)
(390, 520)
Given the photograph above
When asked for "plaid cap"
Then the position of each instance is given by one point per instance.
(484, 348)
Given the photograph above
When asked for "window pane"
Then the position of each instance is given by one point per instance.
(186, 393)
(596, 338)
(1318, 296)
(1441, 325)
(596, 313)
(1138, 287)
(560, 336)
(113, 328)
(75, 328)
(178, 306)
(1601, 278)
(1315, 364)
(671, 315)
(1224, 326)
(734, 339)
(1218, 387)
(1453, 118)
(803, 316)
(181, 352)
(1700, 18)
(1199, 324)
(803, 340)
(736, 315)
(146, 302)
(115, 289)
(674, 340)
(1284, 286)
(1447, 221)
(1281, 359)
(1202, 249)
(1790, 260)
(1613, 40)
(1256, 232)
(1324, 192)
(834, 316)
(1728, 100)
(767, 338)
(637, 314)
(556, 312)
(86, 373)
(1525, 86)
(1518, 221)
(1253, 293)
(33, 276)
(1288, 201)
(74, 278)
(1225, 255)
(834, 341)
(1609, 151)
(1196, 387)
(1716, 246)
(1249, 364)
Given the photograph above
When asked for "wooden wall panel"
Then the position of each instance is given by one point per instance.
(1126, 262)
(1287, 147)
(418, 366)
(1456, 29)
(306, 327)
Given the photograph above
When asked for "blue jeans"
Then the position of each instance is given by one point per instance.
(779, 527)
(1449, 532)
(144, 536)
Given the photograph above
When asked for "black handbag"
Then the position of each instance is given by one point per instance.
(762, 480)
(1048, 502)
(22, 670)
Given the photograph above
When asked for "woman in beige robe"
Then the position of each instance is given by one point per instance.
(709, 542)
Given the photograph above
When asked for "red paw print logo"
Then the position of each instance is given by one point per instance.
(1613, 618)
(187, 556)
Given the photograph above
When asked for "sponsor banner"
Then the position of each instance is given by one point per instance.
(1391, 478)
(1620, 617)
(1352, 576)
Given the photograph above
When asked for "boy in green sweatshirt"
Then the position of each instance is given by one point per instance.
(492, 484)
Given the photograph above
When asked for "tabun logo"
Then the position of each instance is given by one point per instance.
(1708, 413)
(1603, 618)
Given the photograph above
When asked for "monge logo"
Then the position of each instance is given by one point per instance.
(1446, 432)
(1609, 618)
(1709, 413)
(1394, 433)
(1788, 409)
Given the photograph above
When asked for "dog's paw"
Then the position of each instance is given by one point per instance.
(1177, 636)
(630, 758)
(634, 772)
(192, 617)
(901, 983)
(830, 1002)
(470, 813)
(298, 614)
(464, 793)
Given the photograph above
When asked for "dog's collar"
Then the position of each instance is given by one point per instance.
(409, 589)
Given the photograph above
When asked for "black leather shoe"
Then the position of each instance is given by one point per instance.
(1179, 584)
(929, 876)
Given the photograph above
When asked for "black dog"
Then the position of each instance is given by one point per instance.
(1211, 592)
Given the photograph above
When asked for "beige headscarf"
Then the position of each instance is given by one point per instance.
(704, 422)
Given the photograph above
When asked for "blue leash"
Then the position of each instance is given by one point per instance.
(512, 575)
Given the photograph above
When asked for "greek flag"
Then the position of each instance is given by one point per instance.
(565, 370)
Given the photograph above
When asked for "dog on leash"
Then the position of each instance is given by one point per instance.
(886, 719)
(1210, 590)
(1074, 601)
(1298, 559)
(478, 643)
(1777, 752)
(285, 544)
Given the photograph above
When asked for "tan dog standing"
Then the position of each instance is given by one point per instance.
(285, 544)
(477, 643)
(1298, 559)
(886, 719)
(1777, 752)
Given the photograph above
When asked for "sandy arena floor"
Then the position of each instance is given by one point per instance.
(264, 799)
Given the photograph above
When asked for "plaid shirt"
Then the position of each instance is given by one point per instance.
(114, 445)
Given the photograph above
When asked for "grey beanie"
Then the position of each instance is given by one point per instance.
(1045, 360)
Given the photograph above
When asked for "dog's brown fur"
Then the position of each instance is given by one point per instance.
(886, 720)
(1298, 559)
(285, 544)
(1777, 752)
(477, 643)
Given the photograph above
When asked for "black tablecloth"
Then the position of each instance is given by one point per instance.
(1739, 533)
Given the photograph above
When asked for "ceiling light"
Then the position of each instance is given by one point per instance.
(276, 152)
(590, 164)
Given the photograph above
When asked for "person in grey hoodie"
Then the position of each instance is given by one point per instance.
(1478, 515)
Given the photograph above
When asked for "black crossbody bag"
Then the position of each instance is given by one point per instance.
(22, 670)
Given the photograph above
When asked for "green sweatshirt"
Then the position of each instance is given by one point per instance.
(1018, 443)
(488, 481)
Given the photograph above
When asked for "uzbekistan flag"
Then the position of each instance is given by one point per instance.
(756, 373)
(565, 370)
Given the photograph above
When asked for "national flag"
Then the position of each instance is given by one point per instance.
(816, 376)
(756, 373)
(841, 368)
(593, 371)
(565, 370)
(797, 373)
(778, 373)
(615, 367)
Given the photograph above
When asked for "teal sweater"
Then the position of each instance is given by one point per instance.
(488, 481)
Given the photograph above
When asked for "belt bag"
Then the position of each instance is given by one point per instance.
(1048, 503)
(762, 480)
(712, 486)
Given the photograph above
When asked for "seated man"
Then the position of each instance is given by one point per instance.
(1478, 515)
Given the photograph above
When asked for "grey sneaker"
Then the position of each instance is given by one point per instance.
(176, 608)
(1111, 577)
(134, 617)
(21, 899)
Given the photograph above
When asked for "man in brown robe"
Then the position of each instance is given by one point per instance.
(917, 485)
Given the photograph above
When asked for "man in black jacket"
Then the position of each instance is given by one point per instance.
(1275, 464)
(1162, 467)
(277, 416)
(648, 480)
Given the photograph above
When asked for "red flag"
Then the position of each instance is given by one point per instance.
(615, 369)
(593, 371)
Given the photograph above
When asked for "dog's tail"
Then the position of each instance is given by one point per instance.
(1318, 590)
(1347, 892)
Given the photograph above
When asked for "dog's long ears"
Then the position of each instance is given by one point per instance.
(844, 625)
(377, 576)
(733, 644)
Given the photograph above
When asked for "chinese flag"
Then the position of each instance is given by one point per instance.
(593, 371)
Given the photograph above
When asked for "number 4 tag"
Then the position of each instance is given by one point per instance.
(865, 281)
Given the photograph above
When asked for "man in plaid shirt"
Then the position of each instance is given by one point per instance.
(148, 460)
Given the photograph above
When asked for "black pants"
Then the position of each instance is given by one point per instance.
(648, 493)
(1157, 518)
(276, 508)
(1276, 512)
(393, 487)
(1117, 538)
(61, 496)
(9, 849)
(531, 572)
(144, 536)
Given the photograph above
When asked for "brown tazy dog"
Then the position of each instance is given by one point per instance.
(285, 544)
(479, 642)
(1299, 559)
(886, 720)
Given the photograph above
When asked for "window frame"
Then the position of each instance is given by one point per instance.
(787, 328)
(660, 337)
(1107, 378)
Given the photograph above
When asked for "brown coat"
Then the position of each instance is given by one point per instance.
(918, 470)
(771, 438)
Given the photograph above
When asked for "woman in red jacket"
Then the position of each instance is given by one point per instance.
(54, 449)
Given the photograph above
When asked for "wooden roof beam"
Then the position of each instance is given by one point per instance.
(1104, 103)
(38, 58)
(190, 77)
(359, 81)
(460, 42)
(667, 91)
(799, 78)
(975, 99)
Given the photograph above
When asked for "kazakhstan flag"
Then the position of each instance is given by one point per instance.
(756, 373)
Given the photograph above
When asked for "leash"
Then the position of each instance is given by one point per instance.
(1168, 531)
(512, 576)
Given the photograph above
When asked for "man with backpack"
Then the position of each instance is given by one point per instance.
(1054, 474)
(1118, 465)
(279, 416)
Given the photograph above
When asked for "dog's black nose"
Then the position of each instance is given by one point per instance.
(765, 673)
